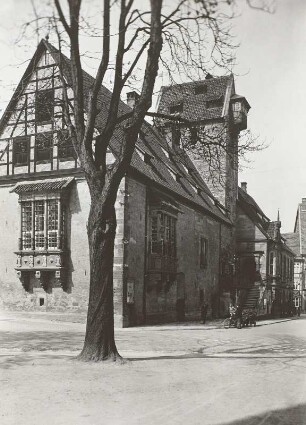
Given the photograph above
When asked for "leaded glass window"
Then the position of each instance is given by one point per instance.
(42, 224)
(39, 211)
(26, 225)
(53, 225)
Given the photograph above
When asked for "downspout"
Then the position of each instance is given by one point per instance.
(144, 294)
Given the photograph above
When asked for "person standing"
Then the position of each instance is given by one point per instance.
(204, 309)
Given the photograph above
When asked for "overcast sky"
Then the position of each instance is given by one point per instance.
(271, 74)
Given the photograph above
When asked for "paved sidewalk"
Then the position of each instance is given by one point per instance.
(174, 374)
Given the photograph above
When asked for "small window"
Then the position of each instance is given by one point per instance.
(21, 150)
(193, 135)
(203, 253)
(44, 147)
(202, 89)
(174, 109)
(44, 106)
(176, 136)
(215, 103)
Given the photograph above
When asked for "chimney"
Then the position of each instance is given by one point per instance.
(244, 186)
(132, 98)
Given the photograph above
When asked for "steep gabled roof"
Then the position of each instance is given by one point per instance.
(251, 208)
(196, 105)
(293, 242)
(164, 162)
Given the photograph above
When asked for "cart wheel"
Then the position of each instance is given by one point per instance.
(227, 323)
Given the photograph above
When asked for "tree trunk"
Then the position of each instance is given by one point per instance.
(99, 341)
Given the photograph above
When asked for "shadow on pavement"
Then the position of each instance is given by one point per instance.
(9, 362)
(291, 416)
(42, 341)
(214, 356)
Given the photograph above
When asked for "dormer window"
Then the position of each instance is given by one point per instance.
(215, 103)
(201, 89)
(175, 109)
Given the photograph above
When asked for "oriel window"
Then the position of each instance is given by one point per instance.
(42, 224)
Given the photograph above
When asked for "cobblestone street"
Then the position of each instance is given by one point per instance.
(187, 373)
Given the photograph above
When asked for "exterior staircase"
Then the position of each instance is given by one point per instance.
(252, 298)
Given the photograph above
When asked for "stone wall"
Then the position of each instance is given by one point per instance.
(75, 296)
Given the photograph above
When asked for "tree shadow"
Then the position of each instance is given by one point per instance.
(213, 356)
(42, 341)
(290, 416)
(9, 362)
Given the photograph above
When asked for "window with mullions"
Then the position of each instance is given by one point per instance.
(53, 224)
(65, 147)
(44, 147)
(203, 253)
(271, 264)
(21, 150)
(26, 225)
(39, 230)
(44, 106)
(163, 234)
(41, 227)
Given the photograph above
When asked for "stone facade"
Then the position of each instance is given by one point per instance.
(172, 241)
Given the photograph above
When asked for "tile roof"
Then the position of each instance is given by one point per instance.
(293, 242)
(150, 141)
(195, 105)
(39, 186)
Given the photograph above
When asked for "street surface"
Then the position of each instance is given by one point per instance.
(176, 374)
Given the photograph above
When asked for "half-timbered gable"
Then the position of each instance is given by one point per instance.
(171, 229)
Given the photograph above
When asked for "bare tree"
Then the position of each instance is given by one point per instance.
(184, 38)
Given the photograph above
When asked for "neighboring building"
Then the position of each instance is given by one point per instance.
(297, 242)
(263, 259)
(172, 236)
(208, 116)
(211, 112)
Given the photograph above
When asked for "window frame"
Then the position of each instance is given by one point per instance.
(163, 239)
(62, 139)
(20, 140)
(203, 252)
(38, 227)
(48, 136)
(48, 114)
